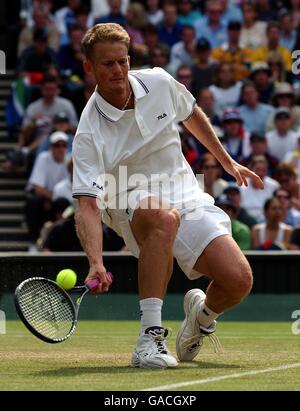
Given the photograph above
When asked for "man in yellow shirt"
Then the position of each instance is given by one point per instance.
(231, 52)
(273, 46)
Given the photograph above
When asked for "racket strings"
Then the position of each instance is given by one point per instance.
(47, 309)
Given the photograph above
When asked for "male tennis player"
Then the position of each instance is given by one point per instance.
(126, 152)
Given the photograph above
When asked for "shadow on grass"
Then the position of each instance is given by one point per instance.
(117, 369)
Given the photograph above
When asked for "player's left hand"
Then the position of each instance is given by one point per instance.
(240, 173)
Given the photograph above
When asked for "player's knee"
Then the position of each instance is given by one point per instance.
(167, 223)
(239, 282)
(242, 283)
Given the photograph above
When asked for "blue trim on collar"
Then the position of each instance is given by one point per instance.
(103, 114)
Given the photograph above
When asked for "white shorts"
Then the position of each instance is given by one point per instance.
(198, 227)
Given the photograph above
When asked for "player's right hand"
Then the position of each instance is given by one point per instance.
(99, 271)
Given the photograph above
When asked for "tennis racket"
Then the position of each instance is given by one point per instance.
(47, 310)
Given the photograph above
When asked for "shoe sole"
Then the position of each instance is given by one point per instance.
(186, 308)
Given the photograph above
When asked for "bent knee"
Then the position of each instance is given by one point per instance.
(241, 283)
(167, 222)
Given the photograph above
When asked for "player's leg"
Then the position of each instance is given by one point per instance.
(223, 262)
(154, 229)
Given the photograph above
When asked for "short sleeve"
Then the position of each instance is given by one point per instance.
(88, 168)
(184, 101)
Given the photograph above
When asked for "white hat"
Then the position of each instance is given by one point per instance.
(58, 136)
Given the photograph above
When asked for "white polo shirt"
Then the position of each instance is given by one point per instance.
(135, 147)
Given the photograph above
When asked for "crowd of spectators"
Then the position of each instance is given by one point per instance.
(234, 56)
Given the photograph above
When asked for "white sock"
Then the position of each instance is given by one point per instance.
(206, 315)
(150, 312)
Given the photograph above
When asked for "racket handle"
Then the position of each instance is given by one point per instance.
(93, 283)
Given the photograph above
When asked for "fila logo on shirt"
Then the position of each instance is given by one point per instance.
(96, 185)
(161, 116)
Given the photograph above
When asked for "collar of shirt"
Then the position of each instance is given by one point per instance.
(112, 113)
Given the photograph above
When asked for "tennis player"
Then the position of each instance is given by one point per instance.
(129, 169)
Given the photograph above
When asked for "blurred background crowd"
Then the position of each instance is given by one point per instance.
(234, 56)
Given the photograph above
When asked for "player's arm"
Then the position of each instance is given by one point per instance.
(199, 125)
(89, 231)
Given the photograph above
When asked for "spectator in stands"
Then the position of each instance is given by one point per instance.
(150, 34)
(211, 26)
(60, 123)
(253, 33)
(293, 157)
(80, 95)
(65, 17)
(295, 239)
(231, 52)
(41, 21)
(277, 68)
(159, 57)
(261, 77)
(254, 113)
(259, 147)
(37, 58)
(169, 30)
(62, 235)
(273, 231)
(182, 53)
(264, 11)
(63, 189)
(287, 177)
(206, 101)
(234, 134)
(115, 14)
(233, 192)
(100, 8)
(186, 14)
(203, 68)
(49, 169)
(184, 76)
(135, 23)
(282, 139)
(154, 14)
(38, 122)
(273, 45)
(188, 147)
(284, 97)
(240, 231)
(288, 33)
(291, 216)
(226, 89)
(70, 56)
(295, 12)
(58, 208)
(231, 12)
(82, 15)
(211, 169)
(253, 199)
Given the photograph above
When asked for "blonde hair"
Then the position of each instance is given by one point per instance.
(109, 32)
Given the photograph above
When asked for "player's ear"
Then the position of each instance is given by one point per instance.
(128, 61)
(87, 66)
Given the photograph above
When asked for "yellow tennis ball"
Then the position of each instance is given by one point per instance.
(66, 278)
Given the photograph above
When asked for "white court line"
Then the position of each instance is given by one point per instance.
(222, 377)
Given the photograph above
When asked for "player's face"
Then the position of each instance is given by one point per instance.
(110, 65)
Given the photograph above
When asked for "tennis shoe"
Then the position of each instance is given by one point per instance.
(151, 351)
(191, 334)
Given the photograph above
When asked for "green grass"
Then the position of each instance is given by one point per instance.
(97, 357)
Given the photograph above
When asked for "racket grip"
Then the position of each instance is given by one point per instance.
(93, 283)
